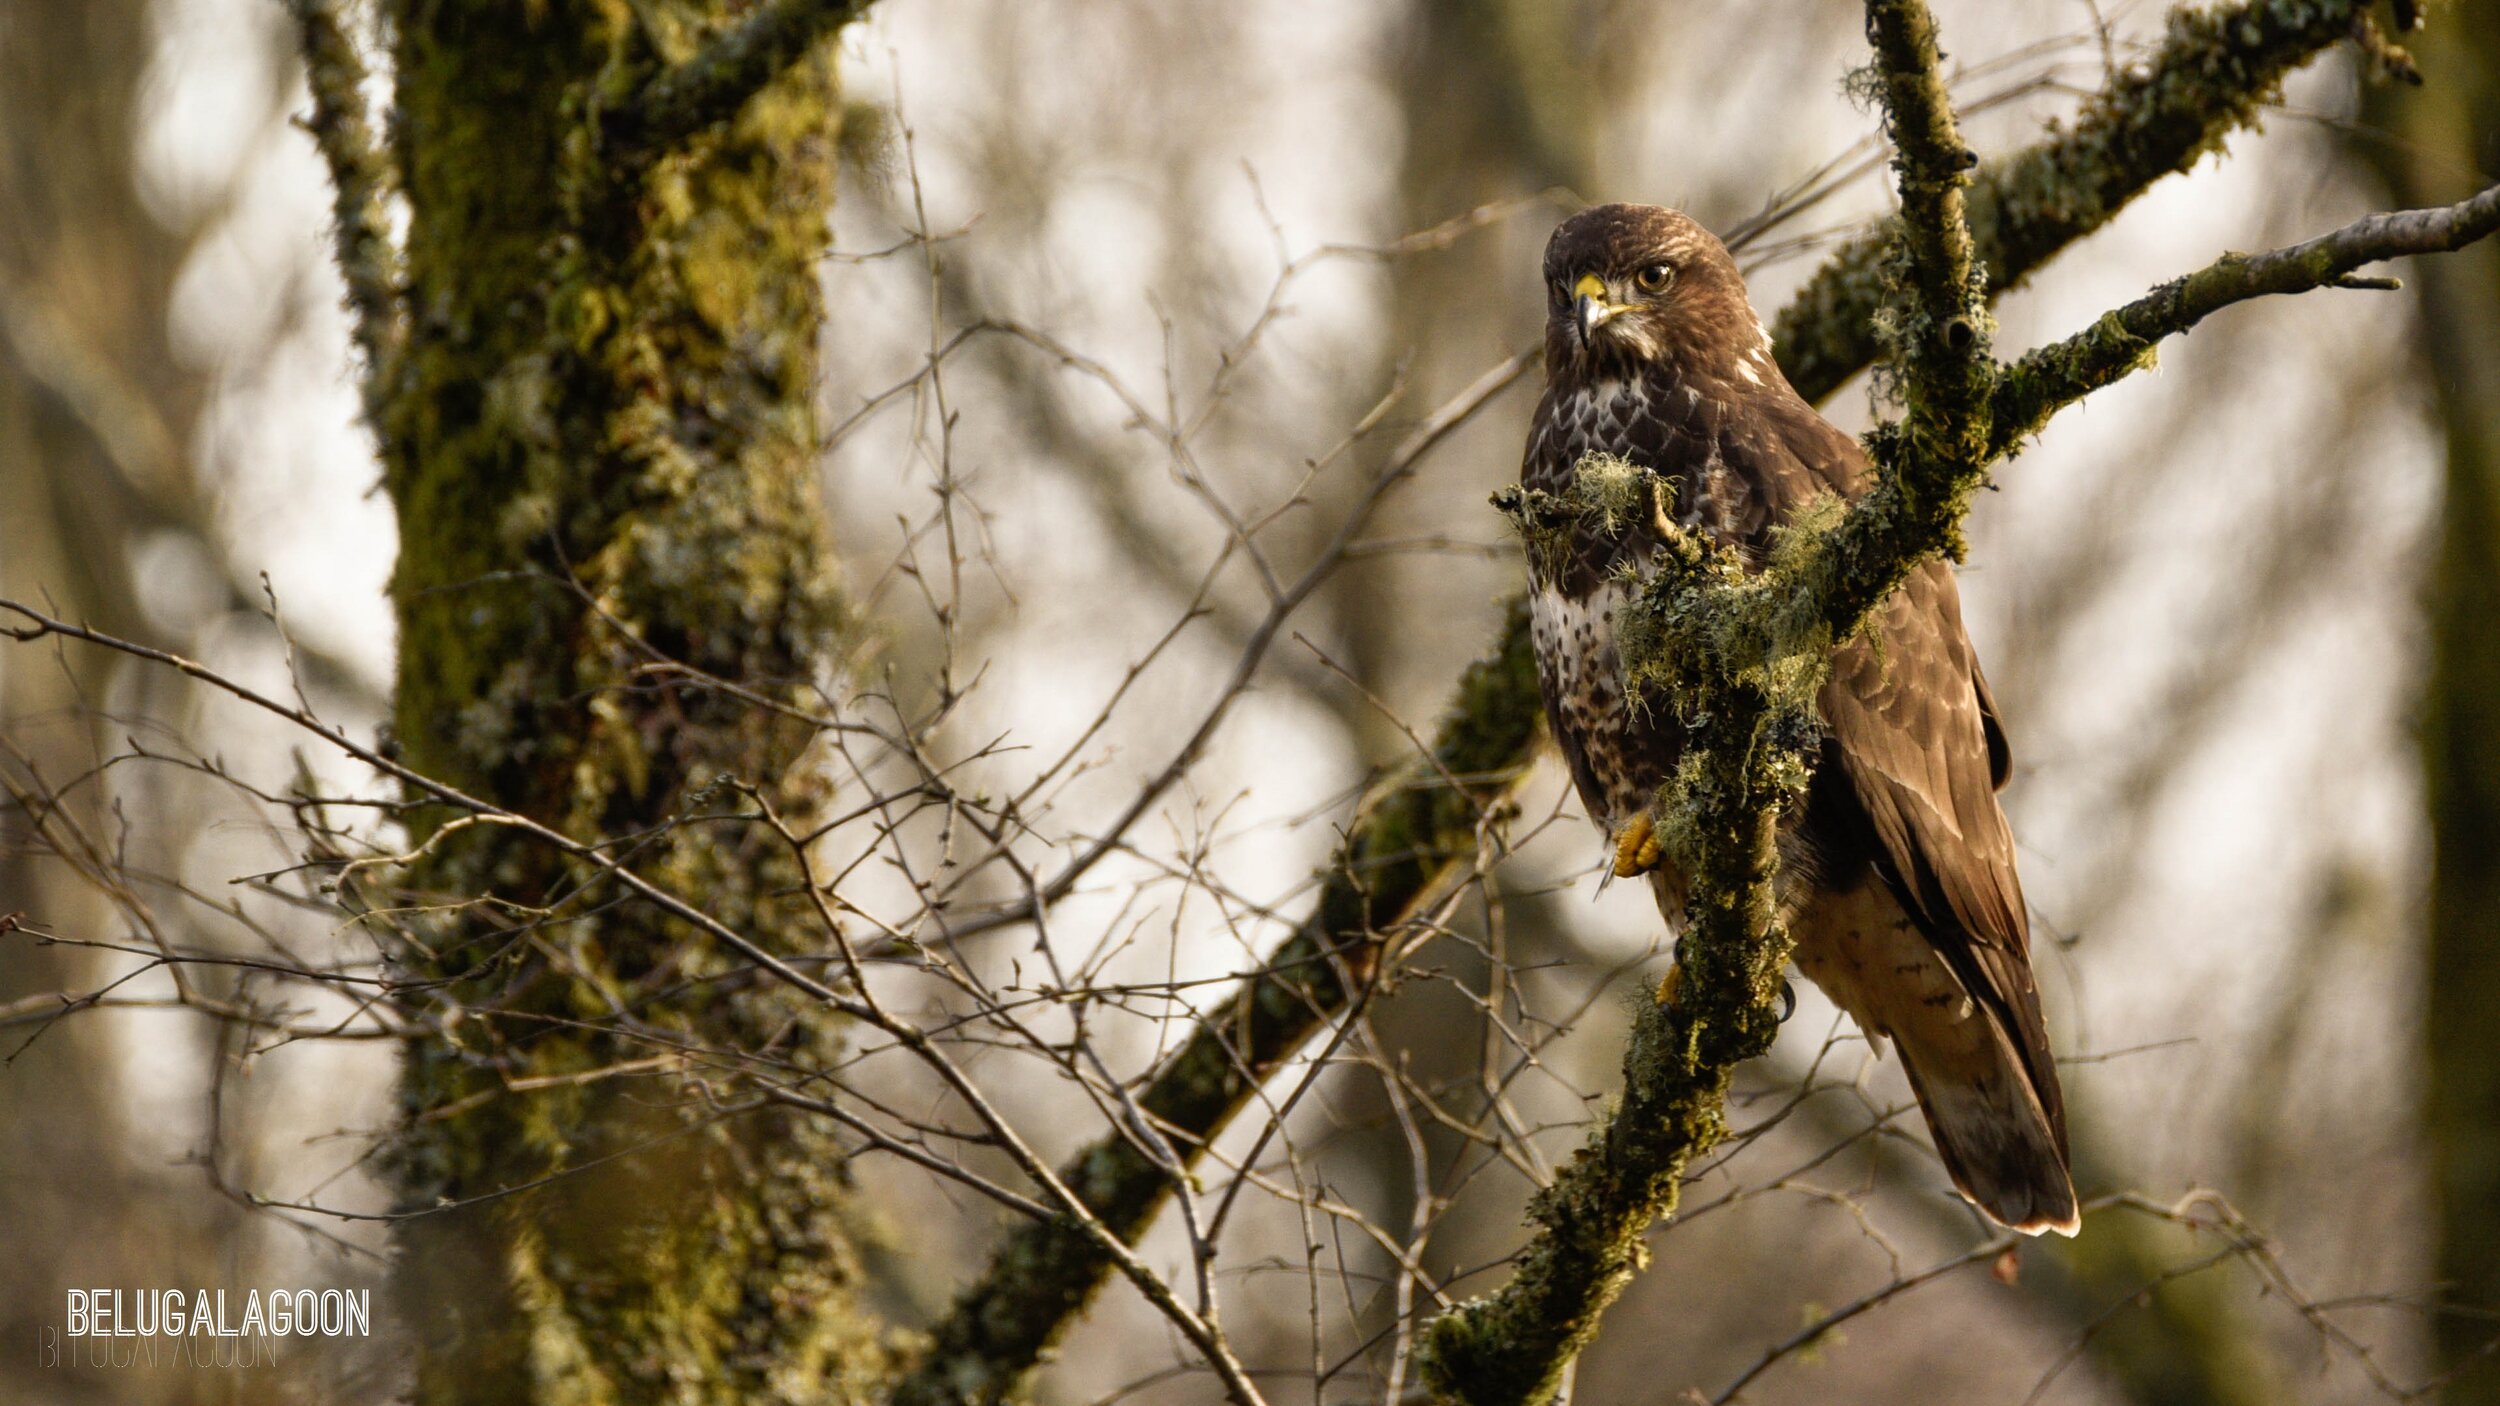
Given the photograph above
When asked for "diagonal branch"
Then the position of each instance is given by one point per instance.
(1916, 507)
(1402, 857)
(711, 86)
(2057, 375)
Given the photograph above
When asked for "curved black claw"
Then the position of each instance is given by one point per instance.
(1788, 1000)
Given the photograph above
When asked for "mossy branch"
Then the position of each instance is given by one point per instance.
(1418, 833)
(361, 179)
(711, 86)
(1928, 157)
(1739, 652)
(2214, 73)
(2055, 376)
(1938, 334)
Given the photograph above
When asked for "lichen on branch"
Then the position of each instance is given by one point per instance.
(711, 85)
(362, 180)
(1938, 332)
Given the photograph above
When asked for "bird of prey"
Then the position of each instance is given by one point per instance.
(1897, 874)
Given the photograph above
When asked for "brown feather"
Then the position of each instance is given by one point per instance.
(1904, 806)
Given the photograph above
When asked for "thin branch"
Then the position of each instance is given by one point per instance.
(1401, 465)
(361, 179)
(2058, 375)
(1823, 1324)
(40, 625)
(1400, 860)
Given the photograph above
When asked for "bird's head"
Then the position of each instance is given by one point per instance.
(1635, 286)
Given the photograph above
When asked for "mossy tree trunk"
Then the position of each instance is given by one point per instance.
(2446, 139)
(598, 434)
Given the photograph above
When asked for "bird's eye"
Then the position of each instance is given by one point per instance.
(1654, 279)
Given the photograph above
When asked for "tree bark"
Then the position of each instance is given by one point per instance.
(598, 432)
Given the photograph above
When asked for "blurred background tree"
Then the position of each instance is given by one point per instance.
(106, 509)
(2446, 137)
(93, 412)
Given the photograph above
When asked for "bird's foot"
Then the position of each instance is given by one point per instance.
(1636, 849)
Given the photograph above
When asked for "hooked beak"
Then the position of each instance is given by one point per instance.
(1591, 310)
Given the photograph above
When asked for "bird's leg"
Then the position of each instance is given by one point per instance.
(1636, 849)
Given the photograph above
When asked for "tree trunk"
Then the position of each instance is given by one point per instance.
(2444, 134)
(600, 442)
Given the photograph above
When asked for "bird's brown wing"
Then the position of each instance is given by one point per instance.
(1916, 738)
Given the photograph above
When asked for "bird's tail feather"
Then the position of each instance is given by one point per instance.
(1996, 1142)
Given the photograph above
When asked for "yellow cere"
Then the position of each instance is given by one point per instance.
(1590, 286)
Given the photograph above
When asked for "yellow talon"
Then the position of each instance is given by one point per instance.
(1636, 849)
(1666, 984)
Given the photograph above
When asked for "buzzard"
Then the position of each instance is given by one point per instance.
(1897, 873)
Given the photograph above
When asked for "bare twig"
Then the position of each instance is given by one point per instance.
(1400, 859)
